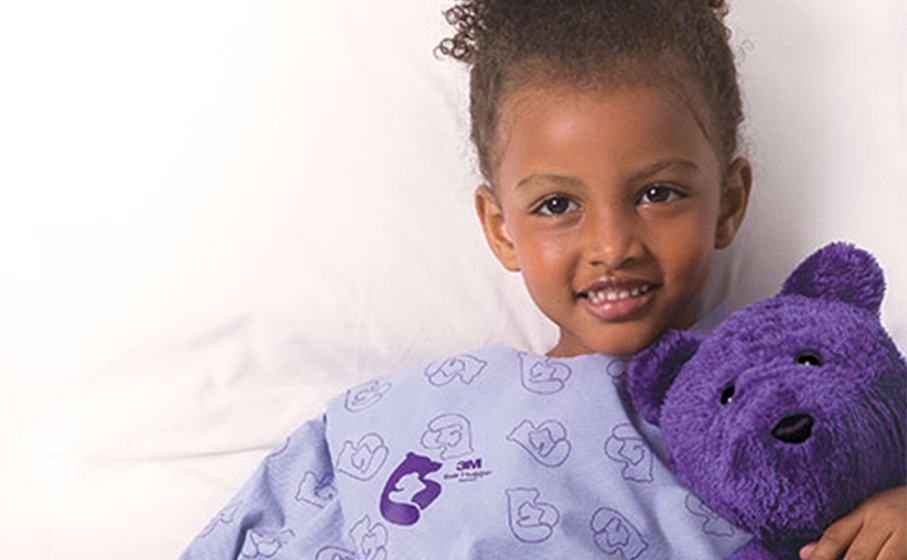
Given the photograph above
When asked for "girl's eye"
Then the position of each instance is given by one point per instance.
(659, 194)
(555, 206)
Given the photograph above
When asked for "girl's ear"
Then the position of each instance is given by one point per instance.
(735, 194)
(492, 219)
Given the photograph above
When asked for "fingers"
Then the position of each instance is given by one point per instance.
(836, 539)
(866, 545)
(876, 529)
(807, 551)
(884, 532)
(894, 549)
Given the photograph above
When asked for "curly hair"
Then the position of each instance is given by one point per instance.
(511, 44)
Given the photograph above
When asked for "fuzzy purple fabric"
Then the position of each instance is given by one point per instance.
(792, 411)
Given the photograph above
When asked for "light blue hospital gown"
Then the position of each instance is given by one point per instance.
(491, 454)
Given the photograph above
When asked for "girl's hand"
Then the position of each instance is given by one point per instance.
(876, 529)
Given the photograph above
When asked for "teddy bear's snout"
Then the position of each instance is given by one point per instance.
(794, 429)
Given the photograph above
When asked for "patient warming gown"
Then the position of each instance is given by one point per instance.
(496, 453)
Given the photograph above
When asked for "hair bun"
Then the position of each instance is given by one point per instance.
(719, 7)
(466, 19)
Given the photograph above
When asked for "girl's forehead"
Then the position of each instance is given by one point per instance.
(617, 102)
(528, 101)
(544, 123)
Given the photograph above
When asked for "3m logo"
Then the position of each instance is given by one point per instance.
(468, 470)
(469, 465)
(409, 491)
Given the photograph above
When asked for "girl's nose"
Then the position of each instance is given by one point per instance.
(611, 240)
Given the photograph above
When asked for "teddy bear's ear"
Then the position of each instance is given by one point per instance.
(652, 371)
(839, 272)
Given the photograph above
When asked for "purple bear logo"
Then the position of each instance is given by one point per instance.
(362, 460)
(614, 535)
(335, 553)
(365, 395)
(712, 524)
(315, 490)
(624, 446)
(451, 433)
(547, 443)
(409, 491)
(370, 539)
(543, 375)
(531, 520)
(264, 544)
(464, 367)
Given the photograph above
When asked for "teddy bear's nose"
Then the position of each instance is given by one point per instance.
(794, 429)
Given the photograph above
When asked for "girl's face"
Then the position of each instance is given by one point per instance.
(610, 203)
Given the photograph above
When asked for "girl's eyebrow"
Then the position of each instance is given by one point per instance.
(563, 180)
(683, 165)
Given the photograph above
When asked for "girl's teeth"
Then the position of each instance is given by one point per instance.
(611, 296)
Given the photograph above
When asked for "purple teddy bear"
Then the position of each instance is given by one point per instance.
(792, 411)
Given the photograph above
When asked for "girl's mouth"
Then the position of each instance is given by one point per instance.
(618, 301)
(613, 294)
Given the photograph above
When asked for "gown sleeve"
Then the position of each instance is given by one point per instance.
(287, 509)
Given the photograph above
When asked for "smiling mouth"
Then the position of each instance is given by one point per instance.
(616, 301)
(616, 293)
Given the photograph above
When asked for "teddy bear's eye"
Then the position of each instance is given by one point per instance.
(809, 358)
(727, 394)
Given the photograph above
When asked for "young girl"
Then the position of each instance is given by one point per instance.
(607, 135)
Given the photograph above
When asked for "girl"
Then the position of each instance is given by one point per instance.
(607, 135)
